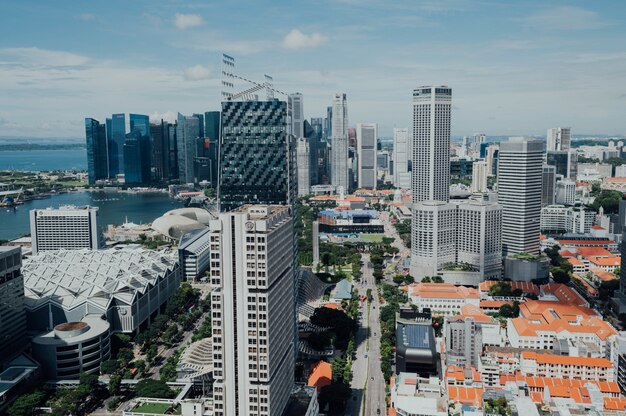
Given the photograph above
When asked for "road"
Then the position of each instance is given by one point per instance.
(390, 230)
(366, 373)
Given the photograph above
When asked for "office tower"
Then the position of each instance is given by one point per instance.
(187, 134)
(565, 192)
(430, 175)
(339, 143)
(116, 144)
(479, 176)
(297, 114)
(140, 123)
(620, 296)
(12, 310)
(565, 161)
(137, 158)
(159, 135)
(212, 131)
(401, 162)
(558, 139)
(477, 140)
(97, 151)
(303, 158)
(519, 193)
(252, 290)
(257, 155)
(68, 227)
(548, 185)
(314, 138)
(173, 154)
(367, 138)
(447, 234)
(317, 123)
(328, 124)
(491, 157)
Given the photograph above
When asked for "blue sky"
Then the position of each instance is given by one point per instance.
(515, 67)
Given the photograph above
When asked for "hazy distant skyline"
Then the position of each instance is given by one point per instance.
(514, 67)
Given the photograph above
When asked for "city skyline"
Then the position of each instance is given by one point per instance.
(510, 64)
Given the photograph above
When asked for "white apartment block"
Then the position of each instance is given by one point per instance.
(559, 218)
(519, 192)
(339, 143)
(430, 136)
(558, 138)
(565, 192)
(367, 155)
(620, 171)
(401, 158)
(479, 176)
(492, 151)
(303, 161)
(252, 295)
(448, 233)
(67, 227)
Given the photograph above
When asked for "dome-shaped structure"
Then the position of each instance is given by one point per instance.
(173, 224)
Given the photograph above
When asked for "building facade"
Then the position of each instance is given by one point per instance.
(339, 143)
(401, 159)
(116, 138)
(12, 309)
(548, 185)
(558, 138)
(257, 155)
(189, 130)
(367, 154)
(97, 151)
(252, 294)
(479, 176)
(68, 227)
(565, 192)
(303, 157)
(519, 193)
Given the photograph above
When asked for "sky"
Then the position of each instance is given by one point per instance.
(515, 67)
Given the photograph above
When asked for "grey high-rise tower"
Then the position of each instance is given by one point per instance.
(339, 143)
(519, 193)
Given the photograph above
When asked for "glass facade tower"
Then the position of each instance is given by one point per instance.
(97, 150)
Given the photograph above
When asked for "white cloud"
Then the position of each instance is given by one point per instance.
(298, 40)
(187, 21)
(197, 72)
(168, 116)
(36, 56)
(87, 16)
(565, 18)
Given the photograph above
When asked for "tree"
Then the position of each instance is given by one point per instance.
(437, 279)
(335, 396)
(151, 353)
(25, 404)
(426, 279)
(559, 275)
(115, 382)
(125, 356)
(608, 200)
(88, 383)
(109, 366)
(156, 389)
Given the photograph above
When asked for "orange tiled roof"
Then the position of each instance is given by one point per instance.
(321, 375)
(618, 179)
(466, 395)
(583, 183)
(590, 289)
(458, 373)
(603, 275)
(597, 227)
(566, 360)
(564, 293)
(331, 306)
(605, 261)
(574, 261)
(526, 287)
(597, 326)
(542, 382)
(566, 253)
(545, 310)
(593, 251)
(443, 291)
(614, 404)
(391, 412)
(586, 242)
(493, 303)
(473, 311)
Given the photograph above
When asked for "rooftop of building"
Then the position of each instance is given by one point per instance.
(525, 287)
(542, 382)
(65, 209)
(591, 251)
(197, 359)
(562, 293)
(90, 327)
(441, 291)
(614, 261)
(72, 277)
(461, 374)
(466, 395)
(566, 360)
(343, 290)
(474, 312)
(321, 375)
(603, 275)
(349, 213)
(173, 224)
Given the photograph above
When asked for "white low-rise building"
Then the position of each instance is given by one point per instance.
(442, 298)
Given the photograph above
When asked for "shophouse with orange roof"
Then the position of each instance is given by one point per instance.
(462, 376)
(443, 299)
(321, 375)
(557, 366)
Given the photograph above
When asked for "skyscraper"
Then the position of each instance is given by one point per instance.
(339, 143)
(297, 114)
(253, 321)
(565, 162)
(137, 158)
(97, 151)
(303, 157)
(367, 138)
(548, 185)
(479, 176)
(69, 227)
(401, 159)
(519, 193)
(430, 176)
(140, 123)
(12, 309)
(187, 134)
(257, 155)
(212, 132)
(159, 135)
(558, 138)
(116, 144)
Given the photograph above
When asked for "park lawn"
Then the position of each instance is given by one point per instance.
(73, 183)
(154, 408)
(373, 238)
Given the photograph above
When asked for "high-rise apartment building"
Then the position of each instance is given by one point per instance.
(366, 139)
(519, 193)
(491, 157)
(257, 155)
(479, 176)
(339, 143)
(430, 176)
(558, 139)
(68, 227)
(565, 192)
(401, 159)
(303, 158)
(97, 151)
(433, 233)
(188, 132)
(252, 294)
(12, 310)
(117, 137)
(297, 114)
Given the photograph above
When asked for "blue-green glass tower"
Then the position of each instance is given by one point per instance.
(97, 150)
(116, 144)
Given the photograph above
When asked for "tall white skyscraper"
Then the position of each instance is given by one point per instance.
(252, 295)
(430, 176)
(558, 138)
(339, 143)
(366, 139)
(491, 156)
(433, 233)
(519, 192)
(303, 160)
(67, 227)
(401, 158)
(297, 114)
(479, 176)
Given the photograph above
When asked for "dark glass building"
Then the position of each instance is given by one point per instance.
(97, 150)
(160, 144)
(212, 132)
(140, 123)
(116, 144)
(566, 162)
(137, 158)
(188, 131)
(257, 155)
